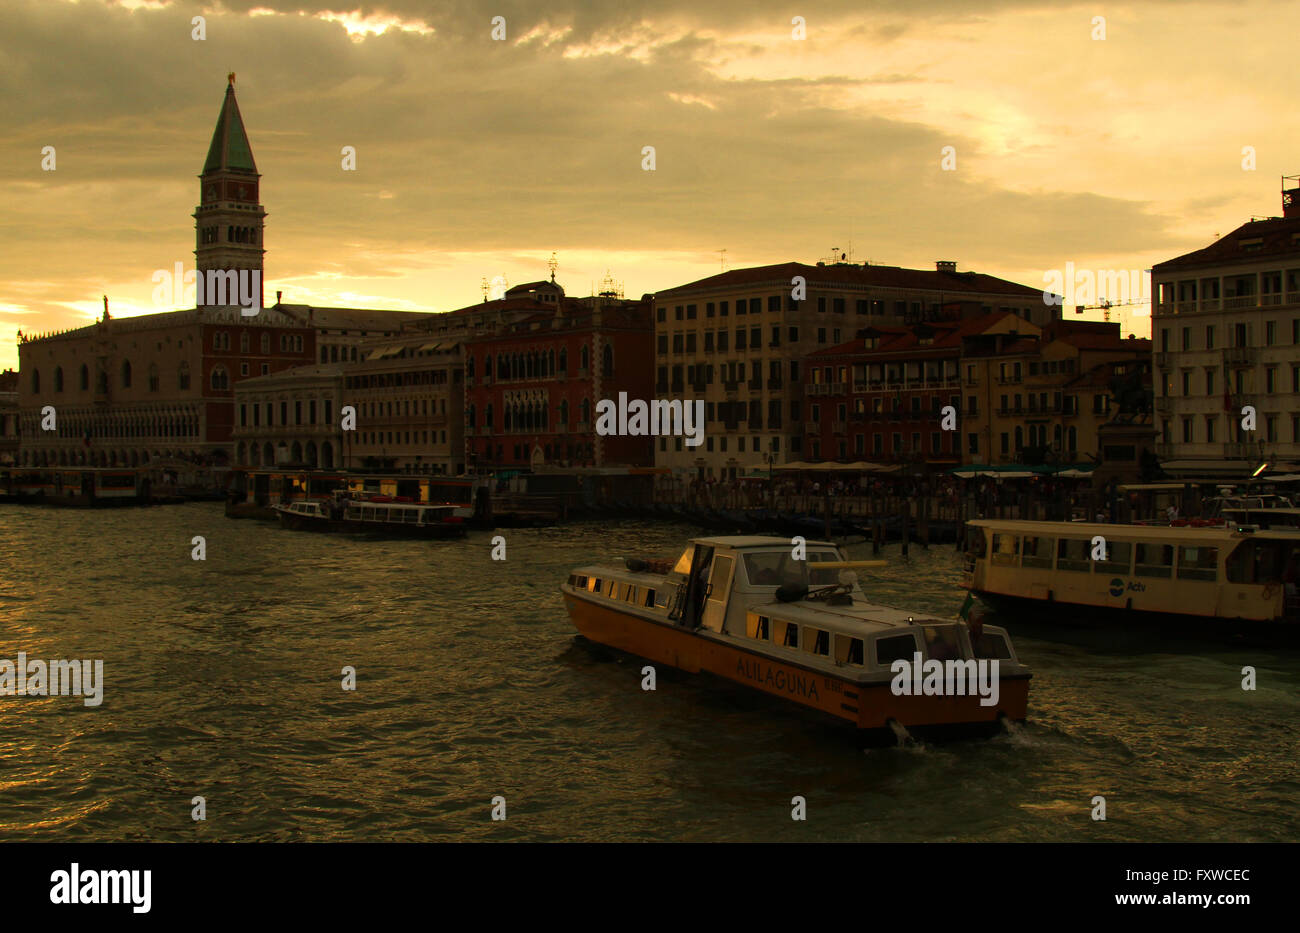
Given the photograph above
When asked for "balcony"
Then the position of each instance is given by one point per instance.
(1166, 451)
(839, 427)
(1009, 380)
(1165, 405)
(774, 382)
(756, 384)
(731, 386)
(812, 427)
(1240, 356)
(1240, 301)
(661, 388)
(1239, 450)
(1163, 358)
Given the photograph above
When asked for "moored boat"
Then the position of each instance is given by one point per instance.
(373, 517)
(745, 609)
(1224, 579)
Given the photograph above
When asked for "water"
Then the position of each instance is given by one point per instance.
(223, 680)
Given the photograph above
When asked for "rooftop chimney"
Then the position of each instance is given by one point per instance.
(945, 265)
(1291, 196)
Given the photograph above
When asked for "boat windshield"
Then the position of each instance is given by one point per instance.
(777, 568)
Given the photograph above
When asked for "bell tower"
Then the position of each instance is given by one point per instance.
(229, 220)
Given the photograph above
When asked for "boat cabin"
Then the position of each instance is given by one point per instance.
(810, 611)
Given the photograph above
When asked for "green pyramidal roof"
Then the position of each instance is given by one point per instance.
(230, 149)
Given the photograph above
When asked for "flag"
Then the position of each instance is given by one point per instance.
(966, 606)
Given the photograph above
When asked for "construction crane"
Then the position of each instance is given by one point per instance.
(1105, 305)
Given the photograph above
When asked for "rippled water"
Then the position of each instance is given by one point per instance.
(223, 680)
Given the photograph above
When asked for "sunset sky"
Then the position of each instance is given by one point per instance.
(478, 158)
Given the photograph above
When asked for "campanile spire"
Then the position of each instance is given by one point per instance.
(230, 219)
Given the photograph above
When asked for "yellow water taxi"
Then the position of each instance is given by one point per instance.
(796, 624)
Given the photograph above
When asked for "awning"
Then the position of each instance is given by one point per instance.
(1229, 467)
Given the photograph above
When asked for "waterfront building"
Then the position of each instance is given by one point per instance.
(1039, 395)
(532, 387)
(881, 396)
(1226, 327)
(737, 340)
(290, 417)
(8, 418)
(409, 400)
(128, 391)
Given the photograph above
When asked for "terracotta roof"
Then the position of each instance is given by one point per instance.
(846, 274)
(1277, 236)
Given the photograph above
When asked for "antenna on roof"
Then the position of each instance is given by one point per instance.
(721, 257)
(554, 264)
(484, 286)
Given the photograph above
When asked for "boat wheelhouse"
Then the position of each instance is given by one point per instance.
(373, 517)
(1240, 579)
(745, 609)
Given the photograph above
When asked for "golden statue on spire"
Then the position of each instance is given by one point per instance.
(231, 78)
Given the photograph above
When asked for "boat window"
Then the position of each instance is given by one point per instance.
(757, 626)
(975, 542)
(595, 584)
(818, 642)
(848, 650)
(683, 565)
(661, 598)
(649, 599)
(1119, 557)
(942, 642)
(578, 581)
(1073, 553)
(381, 515)
(412, 515)
(1036, 551)
(895, 648)
(1263, 561)
(613, 589)
(991, 646)
(1154, 560)
(787, 633)
(1006, 548)
(1198, 563)
(354, 514)
(629, 594)
(774, 568)
(368, 514)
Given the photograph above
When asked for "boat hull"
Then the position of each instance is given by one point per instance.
(865, 707)
(1054, 614)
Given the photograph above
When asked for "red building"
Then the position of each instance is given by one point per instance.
(881, 396)
(532, 387)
